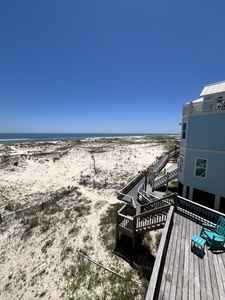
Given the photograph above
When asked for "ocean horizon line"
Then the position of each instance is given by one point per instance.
(53, 137)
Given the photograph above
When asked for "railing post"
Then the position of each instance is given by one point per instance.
(134, 234)
(175, 202)
(167, 181)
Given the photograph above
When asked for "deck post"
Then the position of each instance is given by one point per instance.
(175, 202)
(167, 181)
(134, 234)
(117, 236)
(117, 229)
(134, 244)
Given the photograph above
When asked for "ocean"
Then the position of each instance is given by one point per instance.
(6, 138)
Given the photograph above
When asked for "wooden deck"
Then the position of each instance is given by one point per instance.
(185, 275)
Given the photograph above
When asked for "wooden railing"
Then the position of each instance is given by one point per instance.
(127, 198)
(165, 179)
(197, 212)
(161, 164)
(157, 271)
(134, 181)
(124, 220)
(153, 219)
(155, 167)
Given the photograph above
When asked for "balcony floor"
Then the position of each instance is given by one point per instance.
(185, 275)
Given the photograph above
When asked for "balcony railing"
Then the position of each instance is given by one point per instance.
(203, 106)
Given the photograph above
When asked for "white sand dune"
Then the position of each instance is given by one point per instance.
(85, 176)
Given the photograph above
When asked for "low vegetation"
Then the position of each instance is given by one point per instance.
(86, 280)
(56, 216)
(108, 226)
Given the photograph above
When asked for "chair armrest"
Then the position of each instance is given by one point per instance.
(205, 225)
(219, 236)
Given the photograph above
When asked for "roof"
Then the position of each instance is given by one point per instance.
(213, 88)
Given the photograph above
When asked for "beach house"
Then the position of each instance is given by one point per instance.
(201, 174)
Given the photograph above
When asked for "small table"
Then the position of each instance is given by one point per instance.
(198, 244)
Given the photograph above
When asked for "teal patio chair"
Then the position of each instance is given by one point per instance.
(214, 235)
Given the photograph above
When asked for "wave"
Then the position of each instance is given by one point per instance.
(5, 140)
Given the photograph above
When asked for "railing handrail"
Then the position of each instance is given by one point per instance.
(155, 279)
(200, 205)
(198, 211)
(122, 208)
(132, 202)
(137, 178)
(126, 216)
(153, 211)
(162, 164)
(169, 196)
(149, 201)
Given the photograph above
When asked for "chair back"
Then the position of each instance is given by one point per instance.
(220, 226)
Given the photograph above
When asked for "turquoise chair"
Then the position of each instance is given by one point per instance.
(214, 235)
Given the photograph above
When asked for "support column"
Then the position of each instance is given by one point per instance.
(217, 202)
(117, 229)
(191, 193)
(133, 244)
(175, 202)
(117, 236)
(184, 191)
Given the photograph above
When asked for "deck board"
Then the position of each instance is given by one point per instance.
(165, 286)
(185, 275)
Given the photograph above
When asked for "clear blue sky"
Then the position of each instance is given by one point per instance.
(106, 65)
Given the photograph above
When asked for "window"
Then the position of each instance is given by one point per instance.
(201, 167)
(220, 99)
(184, 129)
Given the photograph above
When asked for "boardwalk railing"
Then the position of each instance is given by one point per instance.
(152, 216)
(161, 164)
(127, 198)
(154, 168)
(151, 220)
(133, 182)
(165, 179)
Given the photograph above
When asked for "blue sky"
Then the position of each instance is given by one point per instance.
(110, 66)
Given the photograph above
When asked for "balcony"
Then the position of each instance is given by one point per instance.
(202, 106)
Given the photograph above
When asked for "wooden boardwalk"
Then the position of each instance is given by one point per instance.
(185, 275)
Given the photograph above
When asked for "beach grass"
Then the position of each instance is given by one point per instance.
(60, 198)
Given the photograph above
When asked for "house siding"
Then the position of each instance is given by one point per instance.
(214, 182)
(207, 132)
(205, 139)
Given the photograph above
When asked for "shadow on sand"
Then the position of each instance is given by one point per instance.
(142, 259)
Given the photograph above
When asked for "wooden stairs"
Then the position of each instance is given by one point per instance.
(152, 216)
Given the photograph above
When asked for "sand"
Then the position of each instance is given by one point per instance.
(52, 196)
